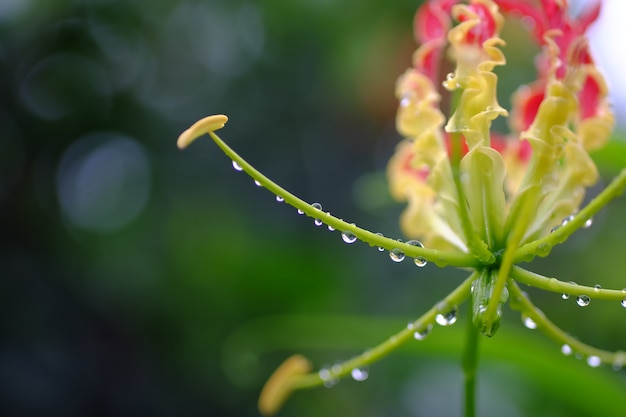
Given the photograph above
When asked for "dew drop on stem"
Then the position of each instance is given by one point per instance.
(279, 199)
(529, 323)
(583, 300)
(419, 261)
(348, 237)
(317, 221)
(359, 374)
(327, 378)
(380, 248)
(594, 361)
(566, 350)
(446, 319)
(396, 255)
(236, 166)
(422, 333)
(567, 220)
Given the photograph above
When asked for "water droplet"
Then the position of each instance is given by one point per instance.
(257, 183)
(419, 261)
(337, 368)
(566, 296)
(348, 237)
(405, 101)
(583, 300)
(396, 255)
(380, 248)
(588, 223)
(421, 334)
(566, 350)
(237, 166)
(623, 303)
(597, 287)
(327, 378)
(543, 249)
(450, 76)
(555, 228)
(300, 212)
(594, 361)
(279, 199)
(317, 206)
(567, 219)
(360, 374)
(446, 319)
(528, 322)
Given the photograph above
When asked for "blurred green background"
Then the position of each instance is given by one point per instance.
(138, 279)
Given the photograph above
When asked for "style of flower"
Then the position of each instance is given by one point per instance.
(478, 199)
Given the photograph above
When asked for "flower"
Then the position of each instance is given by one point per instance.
(529, 179)
(478, 199)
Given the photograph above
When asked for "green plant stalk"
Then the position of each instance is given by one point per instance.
(470, 365)
(543, 246)
(476, 245)
(440, 258)
(521, 302)
(455, 298)
(554, 285)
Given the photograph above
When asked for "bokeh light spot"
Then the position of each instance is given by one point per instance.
(103, 181)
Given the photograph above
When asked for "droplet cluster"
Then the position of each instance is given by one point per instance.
(328, 378)
(396, 255)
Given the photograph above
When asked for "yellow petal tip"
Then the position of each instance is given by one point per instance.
(202, 126)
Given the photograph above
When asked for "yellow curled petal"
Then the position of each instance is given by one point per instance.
(279, 387)
(202, 126)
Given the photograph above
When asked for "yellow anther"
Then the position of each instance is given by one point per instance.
(202, 126)
(279, 386)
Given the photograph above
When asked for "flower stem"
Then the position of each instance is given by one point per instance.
(543, 246)
(554, 285)
(470, 366)
(521, 302)
(455, 298)
(440, 258)
(476, 245)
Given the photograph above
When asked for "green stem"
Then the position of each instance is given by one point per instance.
(554, 285)
(543, 246)
(476, 245)
(440, 258)
(521, 302)
(455, 298)
(470, 366)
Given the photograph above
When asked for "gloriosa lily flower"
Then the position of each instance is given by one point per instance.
(477, 199)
